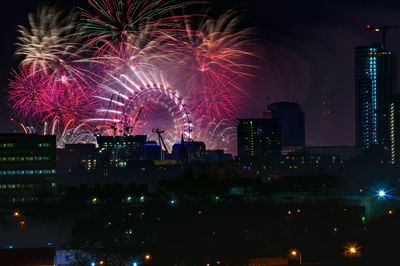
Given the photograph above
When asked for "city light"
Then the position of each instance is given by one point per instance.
(296, 254)
(147, 257)
(352, 250)
(381, 193)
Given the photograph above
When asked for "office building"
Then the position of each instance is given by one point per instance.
(75, 155)
(375, 83)
(122, 149)
(27, 168)
(292, 124)
(258, 139)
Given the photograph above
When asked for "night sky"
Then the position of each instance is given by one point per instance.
(307, 48)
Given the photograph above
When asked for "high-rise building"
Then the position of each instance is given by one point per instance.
(292, 123)
(375, 83)
(394, 125)
(27, 168)
(258, 138)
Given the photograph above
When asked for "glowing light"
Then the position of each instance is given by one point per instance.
(381, 193)
(352, 250)
(147, 257)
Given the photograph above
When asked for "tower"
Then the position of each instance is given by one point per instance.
(375, 83)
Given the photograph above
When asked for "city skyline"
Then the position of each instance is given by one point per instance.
(191, 132)
(314, 86)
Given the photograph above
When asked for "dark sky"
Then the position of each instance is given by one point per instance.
(308, 48)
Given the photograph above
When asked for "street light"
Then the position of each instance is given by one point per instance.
(147, 257)
(352, 250)
(297, 255)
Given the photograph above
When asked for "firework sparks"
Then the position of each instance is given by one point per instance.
(49, 40)
(29, 93)
(114, 22)
(117, 81)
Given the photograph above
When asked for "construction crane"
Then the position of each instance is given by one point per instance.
(382, 29)
(160, 138)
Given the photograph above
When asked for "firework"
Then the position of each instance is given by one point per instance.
(117, 81)
(113, 22)
(49, 42)
(137, 103)
(216, 134)
(216, 58)
(29, 94)
(74, 101)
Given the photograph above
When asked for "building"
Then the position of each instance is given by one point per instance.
(258, 139)
(375, 83)
(344, 152)
(217, 156)
(27, 168)
(153, 151)
(122, 149)
(292, 123)
(394, 116)
(189, 150)
(75, 155)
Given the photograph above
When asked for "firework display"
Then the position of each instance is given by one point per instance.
(130, 67)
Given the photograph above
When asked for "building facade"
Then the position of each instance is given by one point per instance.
(375, 83)
(27, 168)
(258, 138)
(394, 116)
(122, 149)
(292, 123)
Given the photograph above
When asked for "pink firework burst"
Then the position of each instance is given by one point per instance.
(216, 102)
(29, 93)
(74, 101)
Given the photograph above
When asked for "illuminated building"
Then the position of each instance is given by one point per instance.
(27, 168)
(258, 138)
(292, 123)
(394, 115)
(122, 149)
(74, 155)
(375, 82)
